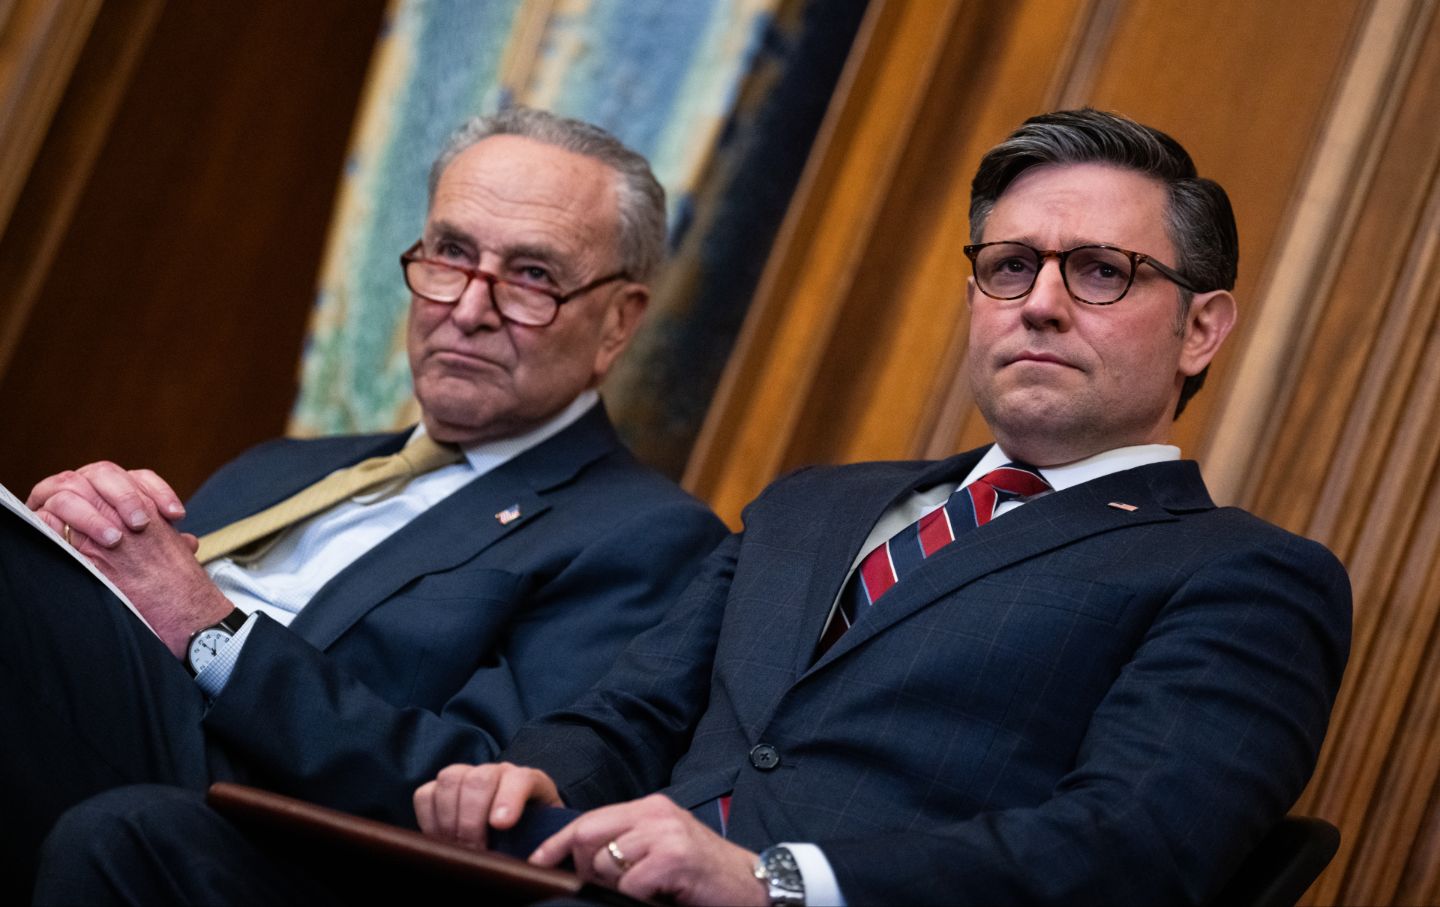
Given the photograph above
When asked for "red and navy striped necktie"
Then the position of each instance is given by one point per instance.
(969, 507)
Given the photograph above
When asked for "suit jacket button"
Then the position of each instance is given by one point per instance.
(764, 757)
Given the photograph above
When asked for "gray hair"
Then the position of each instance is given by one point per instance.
(1198, 216)
(640, 196)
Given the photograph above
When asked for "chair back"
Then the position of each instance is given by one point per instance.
(1283, 865)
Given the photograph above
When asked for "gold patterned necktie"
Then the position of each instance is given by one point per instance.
(419, 456)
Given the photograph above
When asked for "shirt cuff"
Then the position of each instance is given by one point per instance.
(213, 677)
(821, 888)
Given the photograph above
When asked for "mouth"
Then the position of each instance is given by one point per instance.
(458, 359)
(1039, 357)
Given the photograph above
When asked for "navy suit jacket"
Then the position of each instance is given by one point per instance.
(437, 644)
(1076, 703)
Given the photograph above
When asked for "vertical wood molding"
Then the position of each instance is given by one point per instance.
(1419, 881)
(1373, 781)
(39, 43)
(1075, 78)
(1304, 263)
(46, 195)
(771, 372)
(1386, 525)
(173, 221)
(1396, 785)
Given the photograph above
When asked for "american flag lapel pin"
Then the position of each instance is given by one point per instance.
(508, 515)
(1128, 508)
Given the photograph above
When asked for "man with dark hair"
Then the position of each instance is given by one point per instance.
(1046, 671)
(1198, 218)
(366, 610)
(1050, 670)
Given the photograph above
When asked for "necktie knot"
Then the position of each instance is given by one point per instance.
(1016, 478)
(1013, 480)
(424, 454)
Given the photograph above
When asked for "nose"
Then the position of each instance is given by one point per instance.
(475, 309)
(1048, 304)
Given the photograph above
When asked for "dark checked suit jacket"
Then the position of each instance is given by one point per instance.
(436, 645)
(1073, 704)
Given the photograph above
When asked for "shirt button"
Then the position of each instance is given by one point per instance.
(764, 757)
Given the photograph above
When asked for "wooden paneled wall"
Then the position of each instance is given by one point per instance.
(166, 176)
(1322, 119)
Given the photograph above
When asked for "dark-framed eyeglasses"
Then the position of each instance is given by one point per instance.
(1095, 274)
(519, 301)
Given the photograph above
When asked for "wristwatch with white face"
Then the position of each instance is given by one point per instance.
(781, 874)
(205, 644)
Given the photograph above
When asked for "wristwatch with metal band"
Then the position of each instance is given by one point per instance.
(780, 873)
(205, 644)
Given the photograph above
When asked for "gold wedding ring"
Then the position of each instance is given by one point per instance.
(618, 856)
(66, 533)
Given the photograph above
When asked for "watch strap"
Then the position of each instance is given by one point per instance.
(232, 621)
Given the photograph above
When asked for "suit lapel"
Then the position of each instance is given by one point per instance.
(493, 506)
(1157, 493)
(446, 535)
(847, 521)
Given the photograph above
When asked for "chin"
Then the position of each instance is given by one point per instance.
(1038, 432)
(1027, 406)
(450, 433)
(455, 421)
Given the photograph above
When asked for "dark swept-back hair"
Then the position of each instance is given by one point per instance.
(1198, 216)
(640, 196)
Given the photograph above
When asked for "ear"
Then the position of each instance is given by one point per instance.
(1207, 324)
(622, 317)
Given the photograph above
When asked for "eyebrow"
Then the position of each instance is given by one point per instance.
(1071, 242)
(547, 254)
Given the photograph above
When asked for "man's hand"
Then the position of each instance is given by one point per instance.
(464, 800)
(157, 571)
(651, 848)
(103, 502)
(155, 567)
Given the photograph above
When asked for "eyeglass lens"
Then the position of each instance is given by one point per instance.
(1092, 273)
(441, 283)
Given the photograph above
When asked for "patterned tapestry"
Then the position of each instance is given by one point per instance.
(683, 83)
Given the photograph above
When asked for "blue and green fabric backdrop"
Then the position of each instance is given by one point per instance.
(723, 97)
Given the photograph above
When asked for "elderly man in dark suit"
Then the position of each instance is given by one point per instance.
(347, 644)
(1047, 671)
